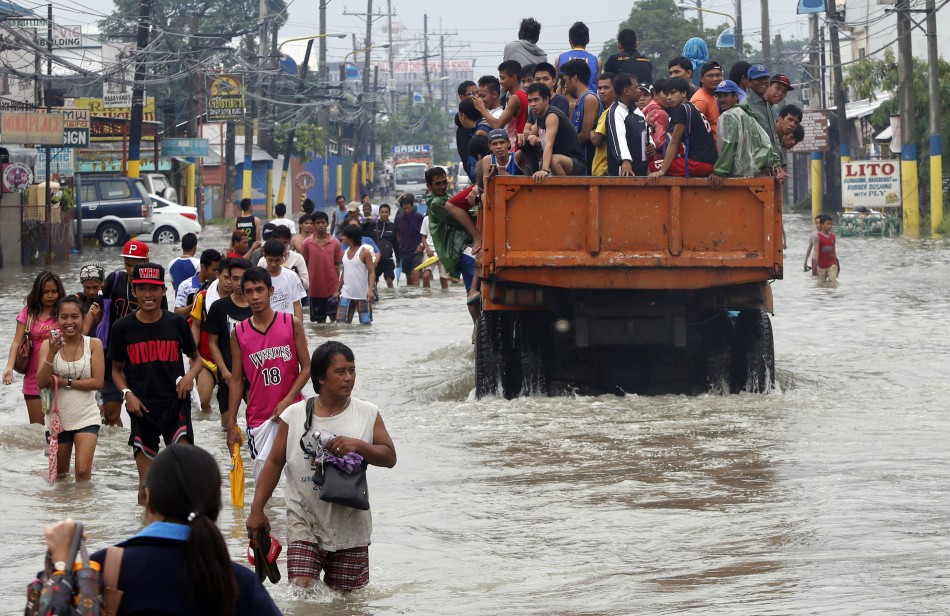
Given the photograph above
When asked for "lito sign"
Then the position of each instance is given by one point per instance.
(873, 183)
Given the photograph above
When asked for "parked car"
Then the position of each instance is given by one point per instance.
(158, 184)
(171, 221)
(113, 208)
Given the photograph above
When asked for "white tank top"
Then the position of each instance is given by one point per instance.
(77, 409)
(355, 275)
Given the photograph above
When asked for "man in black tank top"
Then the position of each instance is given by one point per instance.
(248, 222)
(561, 150)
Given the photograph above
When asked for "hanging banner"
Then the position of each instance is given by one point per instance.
(872, 183)
(118, 67)
(225, 98)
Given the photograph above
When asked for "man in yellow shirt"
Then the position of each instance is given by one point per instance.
(598, 138)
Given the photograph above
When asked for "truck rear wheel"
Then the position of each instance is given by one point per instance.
(717, 343)
(489, 354)
(754, 353)
(531, 343)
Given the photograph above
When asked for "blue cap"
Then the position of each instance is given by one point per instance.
(757, 71)
(498, 133)
(725, 86)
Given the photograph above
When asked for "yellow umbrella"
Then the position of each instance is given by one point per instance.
(237, 476)
(430, 261)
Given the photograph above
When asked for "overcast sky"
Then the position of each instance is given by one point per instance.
(480, 35)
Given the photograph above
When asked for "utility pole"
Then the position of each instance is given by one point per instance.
(193, 113)
(739, 28)
(425, 52)
(322, 53)
(843, 135)
(248, 178)
(699, 11)
(814, 102)
(392, 51)
(138, 91)
(364, 116)
(443, 74)
(268, 122)
(323, 78)
(908, 98)
(936, 153)
(372, 134)
(48, 148)
(289, 150)
(766, 43)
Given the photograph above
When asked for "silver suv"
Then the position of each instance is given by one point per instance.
(114, 207)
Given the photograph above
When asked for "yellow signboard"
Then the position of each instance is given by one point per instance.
(96, 108)
(226, 98)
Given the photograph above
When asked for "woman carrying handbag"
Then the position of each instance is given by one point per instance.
(338, 428)
(78, 363)
(33, 325)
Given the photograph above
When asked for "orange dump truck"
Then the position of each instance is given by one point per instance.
(617, 285)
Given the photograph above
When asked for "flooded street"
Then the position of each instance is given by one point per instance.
(828, 496)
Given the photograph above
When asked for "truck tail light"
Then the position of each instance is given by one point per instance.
(524, 297)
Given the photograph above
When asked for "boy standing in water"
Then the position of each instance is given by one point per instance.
(825, 251)
(813, 263)
(146, 349)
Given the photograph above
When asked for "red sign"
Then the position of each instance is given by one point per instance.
(31, 128)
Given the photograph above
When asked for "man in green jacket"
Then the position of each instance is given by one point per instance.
(453, 231)
(756, 101)
(745, 149)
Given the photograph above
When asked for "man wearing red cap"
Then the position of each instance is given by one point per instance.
(117, 301)
(146, 350)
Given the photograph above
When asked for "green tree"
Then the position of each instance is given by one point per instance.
(872, 76)
(170, 54)
(309, 140)
(662, 30)
(418, 124)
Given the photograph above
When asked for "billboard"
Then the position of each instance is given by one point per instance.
(225, 98)
(816, 124)
(875, 184)
(62, 162)
(31, 128)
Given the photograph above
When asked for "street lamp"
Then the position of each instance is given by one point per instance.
(356, 51)
(691, 7)
(736, 21)
(311, 37)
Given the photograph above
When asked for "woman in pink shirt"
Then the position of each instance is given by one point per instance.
(35, 320)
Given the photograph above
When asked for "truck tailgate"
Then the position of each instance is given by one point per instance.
(607, 233)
